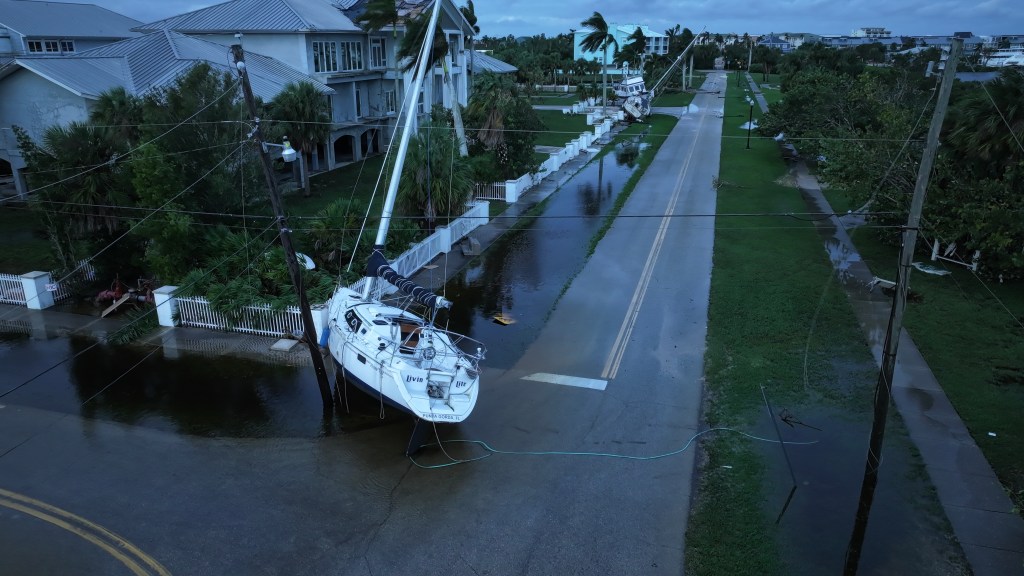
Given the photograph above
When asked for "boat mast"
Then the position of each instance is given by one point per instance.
(676, 62)
(411, 97)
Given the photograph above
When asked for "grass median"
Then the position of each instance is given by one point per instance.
(780, 326)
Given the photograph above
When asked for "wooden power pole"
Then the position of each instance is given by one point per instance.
(286, 235)
(883, 387)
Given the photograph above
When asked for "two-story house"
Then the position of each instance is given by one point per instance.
(50, 29)
(657, 43)
(322, 39)
(39, 92)
(28, 27)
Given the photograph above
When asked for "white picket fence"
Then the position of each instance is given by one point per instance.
(12, 286)
(260, 320)
(11, 291)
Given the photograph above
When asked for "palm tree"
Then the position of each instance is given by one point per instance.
(988, 124)
(119, 111)
(599, 39)
(415, 31)
(304, 115)
(469, 13)
(491, 101)
(378, 14)
(88, 199)
(639, 42)
(435, 180)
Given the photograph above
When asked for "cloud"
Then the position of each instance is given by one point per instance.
(529, 17)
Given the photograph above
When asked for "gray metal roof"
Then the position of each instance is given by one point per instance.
(481, 62)
(154, 61)
(64, 20)
(259, 15)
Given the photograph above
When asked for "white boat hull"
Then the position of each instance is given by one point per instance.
(392, 355)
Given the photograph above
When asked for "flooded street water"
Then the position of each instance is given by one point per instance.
(189, 394)
(202, 394)
(522, 275)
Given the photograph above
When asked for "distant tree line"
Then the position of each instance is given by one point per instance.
(867, 125)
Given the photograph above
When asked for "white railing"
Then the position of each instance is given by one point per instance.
(514, 189)
(440, 242)
(11, 290)
(492, 191)
(261, 320)
(61, 287)
(474, 218)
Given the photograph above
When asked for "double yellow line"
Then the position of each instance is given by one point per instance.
(124, 551)
(611, 366)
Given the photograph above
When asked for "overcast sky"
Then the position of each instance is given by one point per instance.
(528, 17)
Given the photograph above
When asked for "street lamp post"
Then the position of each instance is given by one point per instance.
(289, 154)
(750, 120)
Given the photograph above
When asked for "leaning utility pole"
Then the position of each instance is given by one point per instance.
(883, 388)
(286, 234)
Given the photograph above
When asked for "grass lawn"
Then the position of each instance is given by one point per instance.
(548, 99)
(973, 345)
(356, 180)
(777, 321)
(674, 99)
(561, 128)
(25, 247)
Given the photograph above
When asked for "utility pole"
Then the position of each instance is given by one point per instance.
(883, 387)
(286, 235)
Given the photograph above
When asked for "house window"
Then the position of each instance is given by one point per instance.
(359, 103)
(390, 102)
(378, 57)
(422, 104)
(51, 46)
(325, 57)
(351, 56)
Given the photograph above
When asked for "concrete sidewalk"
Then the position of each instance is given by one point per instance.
(989, 531)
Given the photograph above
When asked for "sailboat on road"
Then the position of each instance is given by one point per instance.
(389, 351)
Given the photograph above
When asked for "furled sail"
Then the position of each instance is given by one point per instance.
(378, 267)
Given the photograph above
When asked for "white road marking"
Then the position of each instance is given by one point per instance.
(611, 367)
(567, 380)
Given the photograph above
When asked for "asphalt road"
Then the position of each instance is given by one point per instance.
(617, 370)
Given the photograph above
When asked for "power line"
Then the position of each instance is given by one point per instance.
(114, 160)
(98, 342)
(1000, 112)
(129, 161)
(140, 222)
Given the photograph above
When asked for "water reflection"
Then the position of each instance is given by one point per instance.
(189, 394)
(210, 394)
(843, 256)
(521, 276)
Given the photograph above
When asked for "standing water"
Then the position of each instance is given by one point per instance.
(520, 278)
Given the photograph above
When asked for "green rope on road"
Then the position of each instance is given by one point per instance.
(490, 451)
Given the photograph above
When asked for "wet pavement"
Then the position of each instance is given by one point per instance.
(314, 497)
(990, 533)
